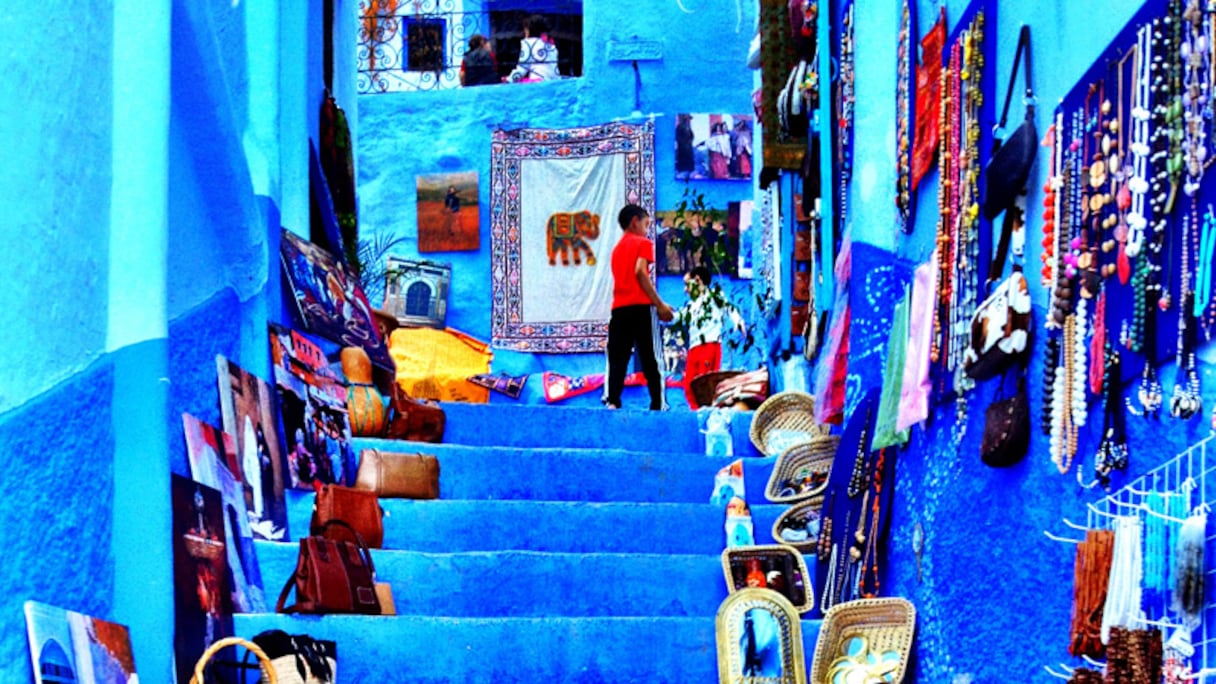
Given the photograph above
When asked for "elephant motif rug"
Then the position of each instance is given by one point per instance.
(554, 199)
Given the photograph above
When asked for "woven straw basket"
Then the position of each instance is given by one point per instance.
(813, 457)
(785, 412)
(787, 560)
(887, 624)
(268, 673)
(705, 385)
(812, 507)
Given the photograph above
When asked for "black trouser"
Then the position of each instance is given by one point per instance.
(632, 327)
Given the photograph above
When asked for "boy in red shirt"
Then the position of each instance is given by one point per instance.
(632, 324)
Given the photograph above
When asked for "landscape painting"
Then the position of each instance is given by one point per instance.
(449, 219)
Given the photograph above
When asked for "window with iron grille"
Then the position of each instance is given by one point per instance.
(424, 41)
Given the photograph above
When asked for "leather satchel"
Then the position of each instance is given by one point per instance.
(415, 420)
(1007, 429)
(398, 476)
(356, 508)
(1001, 326)
(1007, 171)
(299, 658)
(332, 576)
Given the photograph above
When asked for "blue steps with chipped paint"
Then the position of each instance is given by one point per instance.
(573, 474)
(498, 583)
(455, 526)
(586, 428)
(568, 545)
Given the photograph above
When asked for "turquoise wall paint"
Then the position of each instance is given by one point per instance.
(986, 559)
(56, 186)
(408, 134)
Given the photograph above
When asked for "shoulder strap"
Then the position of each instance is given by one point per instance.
(1023, 50)
(997, 262)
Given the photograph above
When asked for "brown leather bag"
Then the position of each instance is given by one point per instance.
(802, 286)
(398, 476)
(359, 509)
(332, 576)
(415, 420)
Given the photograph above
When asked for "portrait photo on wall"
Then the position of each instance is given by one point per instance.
(714, 147)
(329, 299)
(249, 413)
(684, 242)
(312, 405)
(449, 219)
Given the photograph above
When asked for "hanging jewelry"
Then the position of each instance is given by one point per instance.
(1112, 450)
(1138, 183)
(903, 76)
(1196, 64)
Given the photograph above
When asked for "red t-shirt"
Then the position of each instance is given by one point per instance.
(625, 288)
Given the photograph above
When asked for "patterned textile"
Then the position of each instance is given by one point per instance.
(436, 364)
(544, 181)
(510, 385)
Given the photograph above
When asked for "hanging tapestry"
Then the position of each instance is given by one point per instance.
(554, 200)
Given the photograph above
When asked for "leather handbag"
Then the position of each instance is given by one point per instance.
(802, 288)
(357, 508)
(398, 476)
(1001, 326)
(415, 420)
(1009, 167)
(299, 658)
(802, 246)
(750, 388)
(332, 576)
(1007, 428)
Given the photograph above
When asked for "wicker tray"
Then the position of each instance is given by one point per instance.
(268, 672)
(803, 510)
(809, 463)
(887, 624)
(783, 416)
(783, 558)
(704, 385)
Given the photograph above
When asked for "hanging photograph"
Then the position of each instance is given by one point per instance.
(449, 219)
(416, 292)
(329, 299)
(714, 147)
(66, 646)
(710, 240)
(212, 454)
(248, 409)
(312, 405)
(202, 606)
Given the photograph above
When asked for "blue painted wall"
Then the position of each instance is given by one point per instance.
(403, 135)
(996, 593)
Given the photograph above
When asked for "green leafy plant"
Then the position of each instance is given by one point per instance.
(370, 265)
(693, 217)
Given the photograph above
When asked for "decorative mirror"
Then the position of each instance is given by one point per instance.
(416, 292)
(759, 639)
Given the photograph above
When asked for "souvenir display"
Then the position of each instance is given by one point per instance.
(904, 125)
(202, 600)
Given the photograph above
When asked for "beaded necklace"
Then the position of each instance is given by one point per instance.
(1138, 183)
(845, 113)
(903, 164)
(1186, 400)
(1176, 162)
(1049, 209)
(1196, 90)
(1112, 450)
(869, 562)
(967, 209)
(944, 252)
(1051, 361)
(1123, 175)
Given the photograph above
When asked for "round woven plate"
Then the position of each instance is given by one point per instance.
(802, 471)
(887, 624)
(786, 418)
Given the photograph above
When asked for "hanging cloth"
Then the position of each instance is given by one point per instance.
(928, 100)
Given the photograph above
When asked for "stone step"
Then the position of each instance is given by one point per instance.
(586, 428)
(533, 584)
(504, 650)
(457, 526)
(573, 474)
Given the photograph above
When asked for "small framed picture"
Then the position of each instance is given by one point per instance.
(416, 292)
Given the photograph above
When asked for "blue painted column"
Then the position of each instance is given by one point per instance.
(137, 332)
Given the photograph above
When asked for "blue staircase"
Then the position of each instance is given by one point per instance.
(568, 545)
